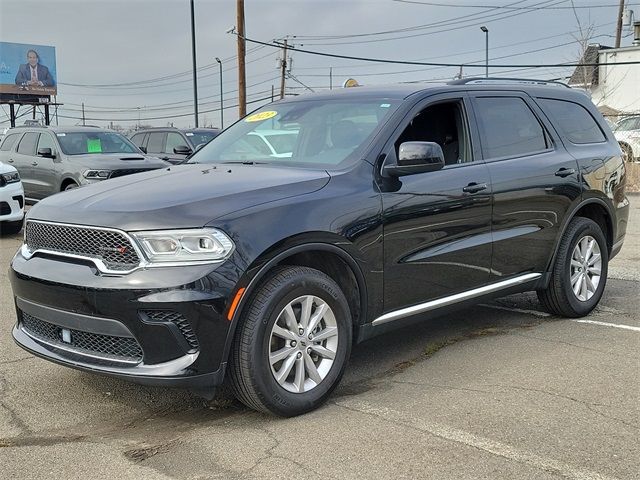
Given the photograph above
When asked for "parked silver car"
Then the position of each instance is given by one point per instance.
(53, 159)
(627, 132)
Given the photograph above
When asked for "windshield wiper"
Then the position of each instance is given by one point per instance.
(245, 162)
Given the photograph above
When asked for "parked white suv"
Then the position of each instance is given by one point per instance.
(11, 200)
(627, 132)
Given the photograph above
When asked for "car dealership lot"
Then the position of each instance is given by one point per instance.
(496, 391)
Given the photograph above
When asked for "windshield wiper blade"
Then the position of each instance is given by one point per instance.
(245, 162)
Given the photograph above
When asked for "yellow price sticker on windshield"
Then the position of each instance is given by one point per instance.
(258, 117)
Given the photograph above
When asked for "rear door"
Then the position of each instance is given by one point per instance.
(25, 160)
(155, 144)
(535, 181)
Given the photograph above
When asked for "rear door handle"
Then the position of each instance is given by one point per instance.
(565, 172)
(35, 164)
(11, 160)
(474, 187)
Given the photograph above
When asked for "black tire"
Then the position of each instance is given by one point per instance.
(250, 372)
(70, 186)
(11, 228)
(558, 297)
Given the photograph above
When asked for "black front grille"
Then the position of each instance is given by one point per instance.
(112, 247)
(103, 346)
(128, 171)
(5, 208)
(178, 320)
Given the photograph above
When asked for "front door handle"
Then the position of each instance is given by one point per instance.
(565, 172)
(11, 160)
(474, 187)
(35, 164)
(164, 158)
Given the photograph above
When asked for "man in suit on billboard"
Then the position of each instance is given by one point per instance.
(34, 74)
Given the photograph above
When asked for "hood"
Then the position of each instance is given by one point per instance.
(118, 160)
(4, 168)
(181, 196)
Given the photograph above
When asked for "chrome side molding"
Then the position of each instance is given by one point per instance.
(450, 300)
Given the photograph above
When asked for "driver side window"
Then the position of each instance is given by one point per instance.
(445, 124)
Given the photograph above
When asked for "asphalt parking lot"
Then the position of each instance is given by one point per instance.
(498, 391)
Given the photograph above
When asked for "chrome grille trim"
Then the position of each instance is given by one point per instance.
(106, 263)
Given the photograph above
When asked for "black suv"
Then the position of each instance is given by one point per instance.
(397, 204)
(171, 144)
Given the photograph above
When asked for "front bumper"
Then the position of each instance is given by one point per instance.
(170, 320)
(13, 195)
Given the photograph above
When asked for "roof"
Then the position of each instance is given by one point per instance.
(587, 76)
(68, 129)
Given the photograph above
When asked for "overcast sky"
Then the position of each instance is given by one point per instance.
(100, 43)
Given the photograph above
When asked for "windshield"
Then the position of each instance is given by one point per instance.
(312, 133)
(82, 143)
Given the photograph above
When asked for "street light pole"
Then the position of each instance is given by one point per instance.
(193, 56)
(221, 96)
(486, 50)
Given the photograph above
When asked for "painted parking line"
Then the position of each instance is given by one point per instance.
(468, 439)
(606, 324)
(537, 313)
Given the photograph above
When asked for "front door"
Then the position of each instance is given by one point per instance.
(437, 225)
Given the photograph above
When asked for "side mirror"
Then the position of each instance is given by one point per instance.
(416, 157)
(182, 150)
(46, 153)
(143, 149)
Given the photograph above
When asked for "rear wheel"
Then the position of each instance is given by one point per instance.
(293, 343)
(69, 186)
(627, 152)
(579, 274)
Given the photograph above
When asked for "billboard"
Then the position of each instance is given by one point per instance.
(27, 69)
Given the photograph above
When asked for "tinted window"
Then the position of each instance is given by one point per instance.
(94, 142)
(9, 141)
(632, 123)
(138, 139)
(28, 144)
(46, 142)
(574, 121)
(508, 127)
(174, 140)
(156, 141)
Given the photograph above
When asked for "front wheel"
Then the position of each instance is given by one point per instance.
(579, 273)
(292, 344)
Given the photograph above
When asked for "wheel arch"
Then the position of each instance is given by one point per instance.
(595, 209)
(66, 181)
(326, 257)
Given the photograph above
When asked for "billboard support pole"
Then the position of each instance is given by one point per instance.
(12, 115)
(46, 114)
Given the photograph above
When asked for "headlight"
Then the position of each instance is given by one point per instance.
(99, 174)
(206, 245)
(12, 177)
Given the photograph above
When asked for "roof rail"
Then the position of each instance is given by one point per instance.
(498, 81)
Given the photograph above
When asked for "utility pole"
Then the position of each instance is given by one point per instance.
(330, 78)
(83, 122)
(242, 79)
(619, 27)
(283, 66)
(193, 57)
(221, 95)
(272, 92)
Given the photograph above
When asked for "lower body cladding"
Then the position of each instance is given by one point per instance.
(161, 326)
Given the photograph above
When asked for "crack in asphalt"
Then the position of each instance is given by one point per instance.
(8, 362)
(581, 347)
(40, 440)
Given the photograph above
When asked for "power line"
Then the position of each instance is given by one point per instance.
(505, 7)
(434, 64)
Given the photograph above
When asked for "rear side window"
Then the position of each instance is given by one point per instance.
(574, 121)
(138, 139)
(9, 142)
(156, 142)
(28, 144)
(508, 128)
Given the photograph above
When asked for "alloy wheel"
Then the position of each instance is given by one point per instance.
(586, 265)
(303, 344)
